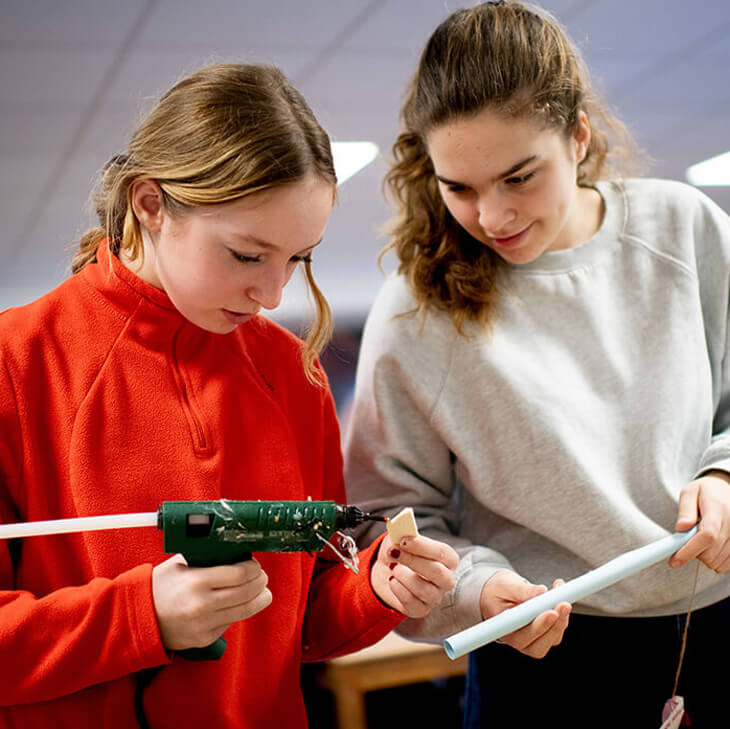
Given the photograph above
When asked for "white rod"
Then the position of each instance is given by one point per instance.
(79, 524)
(607, 574)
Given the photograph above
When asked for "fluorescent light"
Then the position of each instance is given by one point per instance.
(351, 157)
(712, 172)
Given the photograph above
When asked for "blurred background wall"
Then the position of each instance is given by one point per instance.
(75, 76)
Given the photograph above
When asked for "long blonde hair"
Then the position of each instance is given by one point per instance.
(517, 61)
(220, 134)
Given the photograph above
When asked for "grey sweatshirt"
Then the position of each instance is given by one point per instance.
(561, 439)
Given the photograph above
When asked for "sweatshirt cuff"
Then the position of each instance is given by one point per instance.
(717, 456)
(135, 587)
(467, 610)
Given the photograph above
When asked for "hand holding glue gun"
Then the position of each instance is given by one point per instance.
(211, 581)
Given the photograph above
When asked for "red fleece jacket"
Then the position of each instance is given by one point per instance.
(110, 401)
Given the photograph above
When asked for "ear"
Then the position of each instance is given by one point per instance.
(147, 204)
(582, 136)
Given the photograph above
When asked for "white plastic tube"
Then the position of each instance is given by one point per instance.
(79, 524)
(607, 574)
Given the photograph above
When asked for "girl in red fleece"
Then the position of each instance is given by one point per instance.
(149, 376)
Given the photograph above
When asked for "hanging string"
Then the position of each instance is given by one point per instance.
(686, 628)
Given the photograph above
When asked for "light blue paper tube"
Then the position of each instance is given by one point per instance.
(607, 574)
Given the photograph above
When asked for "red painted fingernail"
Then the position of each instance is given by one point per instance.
(391, 578)
(395, 553)
(392, 565)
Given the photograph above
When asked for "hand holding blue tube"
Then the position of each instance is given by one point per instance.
(607, 574)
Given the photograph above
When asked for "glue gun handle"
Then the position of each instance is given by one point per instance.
(215, 650)
(211, 652)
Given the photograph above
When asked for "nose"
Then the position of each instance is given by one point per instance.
(267, 291)
(494, 212)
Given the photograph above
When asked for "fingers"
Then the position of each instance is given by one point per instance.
(707, 499)
(414, 577)
(430, 549)
(194, 605)
(413, 590)
(409, 602)
(229, 575)
(696, 546)
(239, 594)
(544, 632)
(708, 545)
(421, 561)
(225, 617)
(505, 589)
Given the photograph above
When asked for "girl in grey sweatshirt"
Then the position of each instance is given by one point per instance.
(547, 379)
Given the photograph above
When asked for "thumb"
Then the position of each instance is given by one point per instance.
(687, 514)
(523, 590)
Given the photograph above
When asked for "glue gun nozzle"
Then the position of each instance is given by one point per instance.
(352, 516)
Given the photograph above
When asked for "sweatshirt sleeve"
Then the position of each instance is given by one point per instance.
(343, 612)
(74, 637)
(398, 453)
(712, 241)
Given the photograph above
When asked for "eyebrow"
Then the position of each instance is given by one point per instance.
(269, 246)
(509, 172)
(253, 239)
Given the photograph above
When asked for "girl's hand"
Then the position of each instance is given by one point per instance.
(195, 605)
(706, 499)
(505, 589)
(414, 577)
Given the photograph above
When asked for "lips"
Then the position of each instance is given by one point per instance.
(237, 317)
(511, 241)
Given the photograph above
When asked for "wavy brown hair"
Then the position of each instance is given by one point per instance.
(224, 132)
(512, 59)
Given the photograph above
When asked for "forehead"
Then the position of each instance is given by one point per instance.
(290, 217)
(487, 139)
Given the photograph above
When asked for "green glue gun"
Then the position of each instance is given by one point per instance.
(209, 533)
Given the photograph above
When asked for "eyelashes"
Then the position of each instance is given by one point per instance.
(514, 181)
(243, 258)
(520, 179)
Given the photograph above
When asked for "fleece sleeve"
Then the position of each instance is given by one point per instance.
(712, 237)
(399, 451)
(74, 637)
(343, 612)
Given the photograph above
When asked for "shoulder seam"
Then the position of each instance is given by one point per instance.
(640, 242)
(95, 378)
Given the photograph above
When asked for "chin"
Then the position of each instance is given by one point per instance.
(211, 324)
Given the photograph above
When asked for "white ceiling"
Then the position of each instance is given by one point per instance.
(75, 76)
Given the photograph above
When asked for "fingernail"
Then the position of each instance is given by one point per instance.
(391, 578)
(395, 553)
(392, 565)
